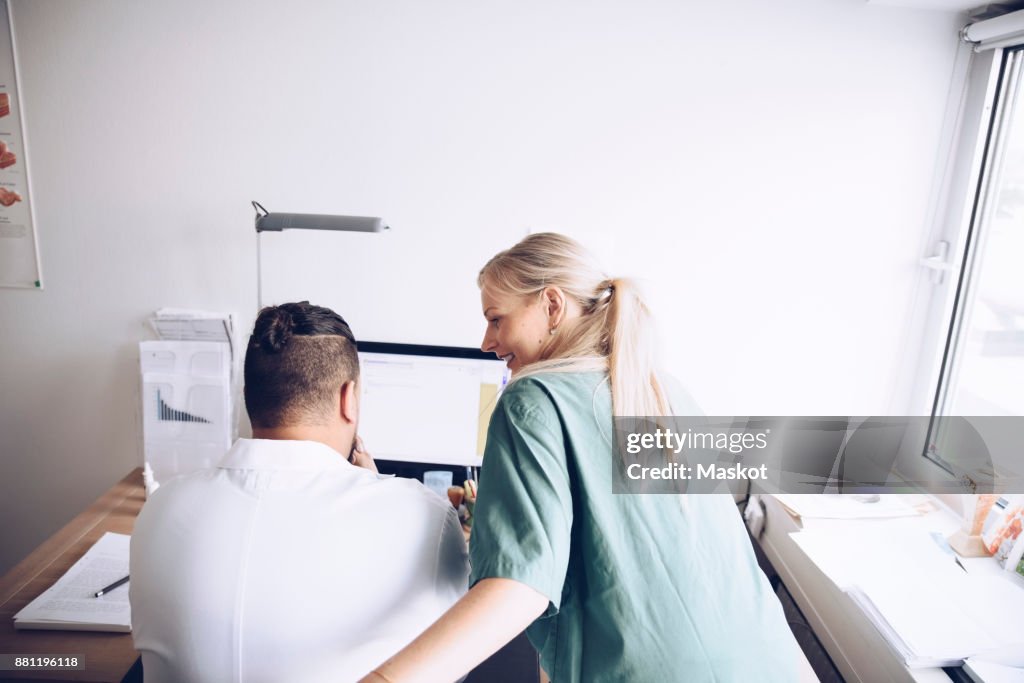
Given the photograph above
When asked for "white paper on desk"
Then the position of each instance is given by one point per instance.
(946, 618)
(71, 603)
(843, 506)
(984, 671)
(830, 556)
(922, 617)
(997, 602)
(847, 550)
(929, 610)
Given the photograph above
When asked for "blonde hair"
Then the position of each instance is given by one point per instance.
(614, 334)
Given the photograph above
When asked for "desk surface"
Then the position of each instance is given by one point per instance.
(856, 647)
(108, 656)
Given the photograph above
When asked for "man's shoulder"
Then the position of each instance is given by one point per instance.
(181, 483)
(334, 489)
(411, 492)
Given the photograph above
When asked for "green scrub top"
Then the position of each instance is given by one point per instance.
(649, 587)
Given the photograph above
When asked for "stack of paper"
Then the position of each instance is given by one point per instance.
(926, 606)
(71, 603)
(932, 621)
(845, 506)
(186, 324)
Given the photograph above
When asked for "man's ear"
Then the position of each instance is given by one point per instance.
(349, 408)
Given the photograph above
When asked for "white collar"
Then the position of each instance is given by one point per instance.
(279, 454)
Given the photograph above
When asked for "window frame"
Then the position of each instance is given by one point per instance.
(963, 186)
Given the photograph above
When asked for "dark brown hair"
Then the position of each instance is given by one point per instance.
(298, 358)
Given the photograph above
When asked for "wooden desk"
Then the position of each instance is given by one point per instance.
(108, 656)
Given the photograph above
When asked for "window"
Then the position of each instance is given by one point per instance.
(983, 371)
(982, 367)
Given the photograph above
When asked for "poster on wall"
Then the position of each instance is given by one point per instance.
(19, 252)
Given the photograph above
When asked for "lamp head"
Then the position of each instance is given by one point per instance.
(277, 222)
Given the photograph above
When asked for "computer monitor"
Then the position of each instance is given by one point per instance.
(427, 404)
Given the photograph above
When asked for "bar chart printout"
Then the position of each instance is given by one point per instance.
(186, 401)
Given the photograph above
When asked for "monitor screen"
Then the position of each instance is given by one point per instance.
(427, 404)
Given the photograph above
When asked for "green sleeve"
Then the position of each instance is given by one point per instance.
(523, 517)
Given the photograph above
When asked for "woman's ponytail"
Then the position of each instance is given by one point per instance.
(636, 390)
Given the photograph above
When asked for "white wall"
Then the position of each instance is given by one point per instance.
(766, 165)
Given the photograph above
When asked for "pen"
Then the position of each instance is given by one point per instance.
(107, 589)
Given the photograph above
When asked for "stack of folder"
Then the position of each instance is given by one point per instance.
(931, 608)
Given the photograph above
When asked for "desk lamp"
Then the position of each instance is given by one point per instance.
(278, 222)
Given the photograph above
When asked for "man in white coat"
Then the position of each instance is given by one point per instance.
(293, 560)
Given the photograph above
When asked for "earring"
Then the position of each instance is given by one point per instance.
(552, 330)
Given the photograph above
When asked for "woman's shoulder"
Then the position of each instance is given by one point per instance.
(559, 386)
(545, 396)
(555, 383)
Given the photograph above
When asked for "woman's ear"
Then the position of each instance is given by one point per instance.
(554, 305)
(350, 402)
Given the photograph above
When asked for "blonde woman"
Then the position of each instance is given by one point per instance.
(609, 587)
